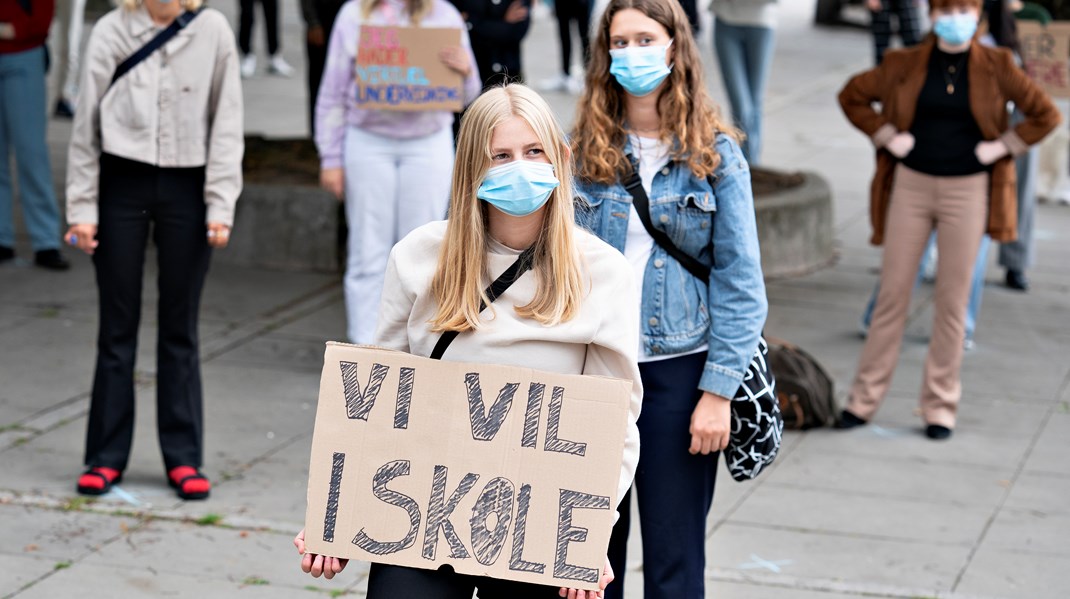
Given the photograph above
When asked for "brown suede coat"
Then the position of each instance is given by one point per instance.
(994, 78)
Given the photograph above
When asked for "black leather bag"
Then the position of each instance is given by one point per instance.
(757, 424)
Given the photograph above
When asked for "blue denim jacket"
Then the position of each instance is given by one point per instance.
(717, 226)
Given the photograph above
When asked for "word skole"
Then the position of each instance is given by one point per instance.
(499, 471)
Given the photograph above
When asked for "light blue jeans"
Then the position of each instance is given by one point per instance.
(22, 129)
(745, 54)
(976, 287)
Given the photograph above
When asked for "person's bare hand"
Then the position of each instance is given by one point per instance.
(711, 424)
(456, 58)
(516, 12)
(603, 582)
(316, 35)
(874, 5)
(315, 564)
(334, 180)
(83, 237)
(900, 145)
(988, 152)
(218, 235)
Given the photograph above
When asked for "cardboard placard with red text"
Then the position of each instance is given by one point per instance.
(1046, 55)
(398, 68)
(495, 470)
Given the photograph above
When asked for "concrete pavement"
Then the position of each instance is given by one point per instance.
(876, 512)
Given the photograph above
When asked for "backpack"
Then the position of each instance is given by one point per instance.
(803, 387)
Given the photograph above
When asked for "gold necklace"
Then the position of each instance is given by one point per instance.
(951, 72)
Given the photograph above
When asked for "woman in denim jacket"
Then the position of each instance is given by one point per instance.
(645, 110)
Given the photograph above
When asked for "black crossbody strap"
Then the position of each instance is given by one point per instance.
(515, 271)
(634, 185)
(153, 45)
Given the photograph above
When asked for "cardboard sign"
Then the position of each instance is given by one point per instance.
(1046, 54)
(495, 470)
(398, 68)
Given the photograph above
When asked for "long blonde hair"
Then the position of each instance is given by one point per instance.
(416, 9)
(689, 118)
(459, 282)
(186, 4)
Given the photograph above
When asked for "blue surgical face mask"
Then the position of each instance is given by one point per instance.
(640, 69)
(956, 29)
(518, 188)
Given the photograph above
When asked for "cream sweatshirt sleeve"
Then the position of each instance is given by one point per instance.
(614, 350)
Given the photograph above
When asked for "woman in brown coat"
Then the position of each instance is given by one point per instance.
(945, 161)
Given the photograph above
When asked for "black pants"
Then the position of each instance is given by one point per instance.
(691, 10)
(390, 582)
(134, 199)
(271, 25)
(674, 488)
(906, 13)
(327, 12)
(568, 11)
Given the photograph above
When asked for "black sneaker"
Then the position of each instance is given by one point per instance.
(51, 259)
(937, 432)
(64, 109)
(1016, 280)
(6, 253)
(848, 420)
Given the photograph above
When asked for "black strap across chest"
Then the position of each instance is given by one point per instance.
(634, 185)
(517, 269)
(153, 45)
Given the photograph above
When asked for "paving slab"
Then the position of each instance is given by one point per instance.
(1044, 493)
(1050, 452)
(1029, 531)
(17, 571)
(1016, 575)
(57, 535)
(823, 559)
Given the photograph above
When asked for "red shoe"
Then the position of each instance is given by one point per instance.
(98, 480)
(188, 482)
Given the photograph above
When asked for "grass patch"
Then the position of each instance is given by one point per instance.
(209, 520)
(7, 428)
(61, 566)
(255, 581)
(338, 593)
(75, 504)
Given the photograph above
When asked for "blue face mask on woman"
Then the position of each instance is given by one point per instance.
(955, 29)
(640, 69)
(518, 188)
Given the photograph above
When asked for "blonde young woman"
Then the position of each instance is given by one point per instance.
(158, 150)
(392, 168)
(646, 114)
(574, 312)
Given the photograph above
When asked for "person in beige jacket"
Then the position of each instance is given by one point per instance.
(157, 151)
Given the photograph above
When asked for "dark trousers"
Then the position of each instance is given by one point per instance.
(137, 198)
(568, 11)
(674, 488)
(906, 14)
(317, 57)
(389, 582)
(271, 25)
(691, 10)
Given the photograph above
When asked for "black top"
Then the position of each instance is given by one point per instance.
(495, 43)
(945, 132)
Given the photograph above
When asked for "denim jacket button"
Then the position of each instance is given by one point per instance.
(664, 218)
(705, 224)
(665, 171)
(659, 263)
(653, 322)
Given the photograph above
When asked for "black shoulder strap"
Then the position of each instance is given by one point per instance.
(153, 45)
(642, 206)
(515, 271)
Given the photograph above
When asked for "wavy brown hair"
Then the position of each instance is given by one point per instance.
(689, 119)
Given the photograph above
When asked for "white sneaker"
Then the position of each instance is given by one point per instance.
(557, 83)
(248, 66)
(574, 85)
(279, 66)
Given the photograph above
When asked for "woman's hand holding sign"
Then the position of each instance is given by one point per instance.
(456, 58)
(315, 564)
(607, 577)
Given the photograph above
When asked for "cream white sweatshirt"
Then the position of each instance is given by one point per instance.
(602, 339)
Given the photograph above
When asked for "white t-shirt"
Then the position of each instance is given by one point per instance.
(653, 154)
